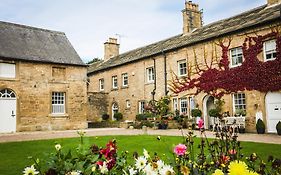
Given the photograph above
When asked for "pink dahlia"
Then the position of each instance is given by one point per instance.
(180, 149)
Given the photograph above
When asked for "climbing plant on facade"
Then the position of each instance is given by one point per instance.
(217, 78)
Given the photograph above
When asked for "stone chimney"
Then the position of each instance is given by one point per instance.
(192, 17)
(111, 48)
(271, 2)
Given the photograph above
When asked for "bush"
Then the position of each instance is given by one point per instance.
(260, 126)
(118, 116)
(145, 116)
(105, 117)
(214, 113)
(196, 113)
(139, 125)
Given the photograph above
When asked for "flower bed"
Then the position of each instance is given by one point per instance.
(222, 155)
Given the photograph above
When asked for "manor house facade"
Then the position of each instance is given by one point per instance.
(126, 82)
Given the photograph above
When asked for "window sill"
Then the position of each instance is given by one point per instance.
(8, 79)
(59, 115)
(233, 66)
(272, 59)
(124, 87)
(148, 83)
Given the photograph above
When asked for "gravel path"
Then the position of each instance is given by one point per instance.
(42, 135)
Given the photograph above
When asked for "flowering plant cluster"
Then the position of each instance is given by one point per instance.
(253, 74)
(220, 156)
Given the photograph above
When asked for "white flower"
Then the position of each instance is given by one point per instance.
(94, 168)
(132, 171)
(141, 163)
(145, 153)
(30, 171)
(103, 168)
(149, 170)
(167, 170)
(160, 164)
(58, 147)
(75, 173)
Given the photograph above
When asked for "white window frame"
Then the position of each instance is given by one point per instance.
(150, 74)
(184, 105)
(114, 82)
(237, 55)
(266, 52)
(128, 104)
(125, 80)
(239, 102)
(141, 107)
(182, 71)
(58, 103)
(101, 83)
(175, 104)
(7, 70)
(192, 104)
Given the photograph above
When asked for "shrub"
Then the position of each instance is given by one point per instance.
(145, 116)
(260, 126)
(214, 113)
(139, 125)
(196, 113)
(105, 117)
(118, 116)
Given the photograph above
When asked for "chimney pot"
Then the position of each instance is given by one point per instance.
(192, 17)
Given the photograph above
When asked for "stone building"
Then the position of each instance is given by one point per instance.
(42, 80)
(127, 81)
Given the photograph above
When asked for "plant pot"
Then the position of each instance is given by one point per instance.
(260, 130)
(279, 132)
(241, 130)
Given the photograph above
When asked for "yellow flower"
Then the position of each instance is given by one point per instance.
(218, 172)
(238, 168)
(251, 173)
(185, 170)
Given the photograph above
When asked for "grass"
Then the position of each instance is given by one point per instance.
(14, 155)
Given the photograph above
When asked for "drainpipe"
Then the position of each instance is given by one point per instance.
(155, 77)
(165, 72)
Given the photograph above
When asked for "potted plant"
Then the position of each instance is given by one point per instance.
(214, 113)
(278, 128)
(260, 126)
(118, 116)
(196, 113)
(105, 117)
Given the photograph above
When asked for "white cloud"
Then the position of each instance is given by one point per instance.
(88, 23)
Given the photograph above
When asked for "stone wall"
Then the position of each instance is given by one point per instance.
(34, 84)
(97, 106)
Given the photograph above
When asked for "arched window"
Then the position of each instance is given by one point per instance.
(7, 93)
(115, 109)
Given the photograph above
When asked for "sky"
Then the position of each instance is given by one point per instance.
(136, 23)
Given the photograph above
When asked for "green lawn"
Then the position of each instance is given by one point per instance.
(13, 156)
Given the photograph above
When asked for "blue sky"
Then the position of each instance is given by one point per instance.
(89, 23)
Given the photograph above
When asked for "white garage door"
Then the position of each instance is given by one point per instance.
(273, 109)
(8, 106)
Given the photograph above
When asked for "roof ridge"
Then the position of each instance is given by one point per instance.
(31, 27)
(235, 16)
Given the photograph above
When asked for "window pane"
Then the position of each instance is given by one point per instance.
(7, 70)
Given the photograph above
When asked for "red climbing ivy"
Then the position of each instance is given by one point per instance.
(253, 74)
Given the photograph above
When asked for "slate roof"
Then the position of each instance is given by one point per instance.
(258, 16)
(20, 42)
